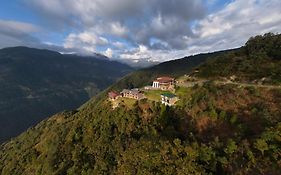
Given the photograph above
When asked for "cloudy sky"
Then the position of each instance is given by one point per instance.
(136, 30)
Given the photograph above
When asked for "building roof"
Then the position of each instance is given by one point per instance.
(164, 79)
(169, 95)
(133, 91)
(113, 94)
(125, 91)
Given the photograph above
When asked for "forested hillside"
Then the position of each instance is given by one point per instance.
(258, 59)
(213, 129)
(35, 84)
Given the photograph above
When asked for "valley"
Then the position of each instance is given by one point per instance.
(35, 84)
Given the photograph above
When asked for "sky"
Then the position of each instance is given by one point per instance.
(136, 30)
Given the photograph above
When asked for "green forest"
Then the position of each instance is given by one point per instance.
(259, 58)
(213, 129)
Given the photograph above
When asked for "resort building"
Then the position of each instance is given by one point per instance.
(164, 83)
(134, 94)
(169, 99)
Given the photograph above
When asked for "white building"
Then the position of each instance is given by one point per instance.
(164, 83)
(169, 99)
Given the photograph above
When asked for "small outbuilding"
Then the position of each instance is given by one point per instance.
(113, 95)
(169, 99)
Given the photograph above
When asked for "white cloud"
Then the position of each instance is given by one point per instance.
(85, 40)
(142, 52)
(228, 28)
(118, 45)
(238, 21)
(118, 30)
(108, 53)
(158, 30)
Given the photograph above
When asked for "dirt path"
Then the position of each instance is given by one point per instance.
(250, 85)
(191, 84)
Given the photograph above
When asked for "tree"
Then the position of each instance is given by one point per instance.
(231, 147)
(222, 115)
(213, 114)
(164, 117)
(261, 145)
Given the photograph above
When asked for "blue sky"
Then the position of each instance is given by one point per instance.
(143, 30)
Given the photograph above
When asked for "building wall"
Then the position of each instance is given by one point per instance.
(133, 96)
(155, 84)
(163, 86)
(168, 101)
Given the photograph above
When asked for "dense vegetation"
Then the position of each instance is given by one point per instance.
(258, 59)
(214, 129)
(35, 84)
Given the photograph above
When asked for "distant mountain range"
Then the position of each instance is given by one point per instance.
(139, 64)
(37, 83)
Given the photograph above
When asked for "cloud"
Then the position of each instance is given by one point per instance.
(16, 33)
(118, 45)
(227, 28)
(17, 27)
(85, 40)
(239, 20)
(136, 21)
(108, 53)
(118, 30)
(153, 30)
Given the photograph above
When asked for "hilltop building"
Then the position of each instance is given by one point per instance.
(169, 99)
(164, 83)
(113, 95)
(134, 94)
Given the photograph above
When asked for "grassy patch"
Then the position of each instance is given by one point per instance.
(128, 102)
(154, 95)
(183, 91)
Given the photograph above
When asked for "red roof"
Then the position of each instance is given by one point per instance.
(165, 79)
(113, 94)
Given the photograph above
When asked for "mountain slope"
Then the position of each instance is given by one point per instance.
(173, 68)
(258, 60)
(214, 129)
(37, 83)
